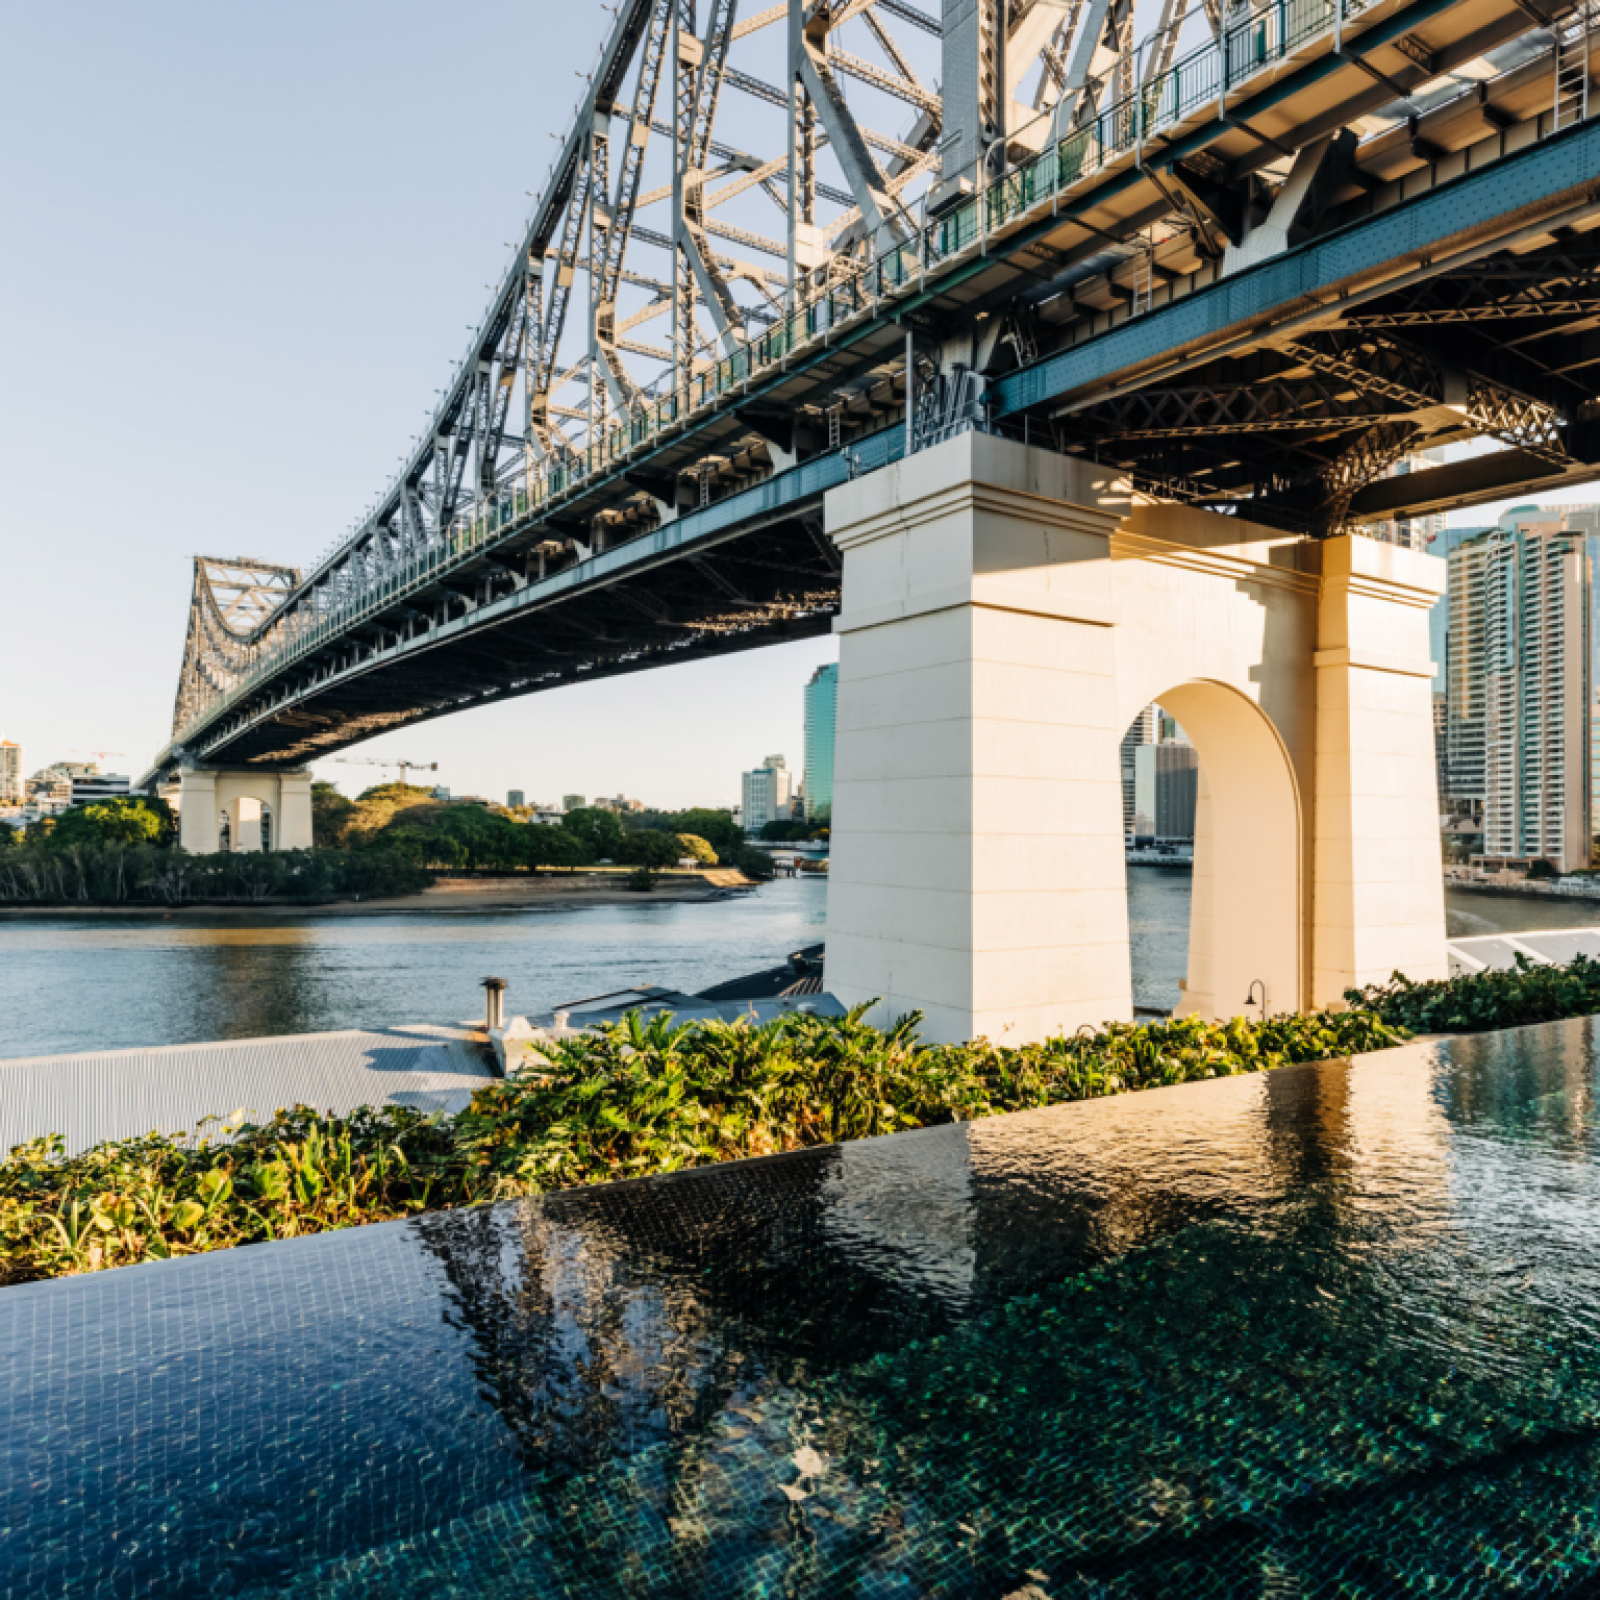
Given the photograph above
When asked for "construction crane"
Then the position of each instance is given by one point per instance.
(377, 761)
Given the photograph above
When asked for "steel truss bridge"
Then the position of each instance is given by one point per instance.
(1253, 256)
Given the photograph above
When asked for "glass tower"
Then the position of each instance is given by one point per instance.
(822, 715)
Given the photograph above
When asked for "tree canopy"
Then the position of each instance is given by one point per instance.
(119, 819)
(651, 848)
(697, 849)
(600, 832)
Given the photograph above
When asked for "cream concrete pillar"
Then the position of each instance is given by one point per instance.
(292, 817)
(241, 792)
(976, 870)
(198, 832)
(1378, 892)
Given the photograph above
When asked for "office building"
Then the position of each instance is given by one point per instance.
(1142, 730)
(764, 792)
(1166, 786)
(516, 799)
(89, 787)
(822, 715)
(11, 786)
(573, 802)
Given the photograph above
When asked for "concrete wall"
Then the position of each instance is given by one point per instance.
(1007, 613)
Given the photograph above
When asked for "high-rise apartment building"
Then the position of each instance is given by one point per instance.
(516, 798)
(764, 792)
(822, 715)
(11, 782)
(1144, 729)
(573, 802)
(1456, 630)
(1520, 682)
(1166, 790)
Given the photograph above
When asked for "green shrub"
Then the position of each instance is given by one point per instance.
(1495, 998)
(637, 1097)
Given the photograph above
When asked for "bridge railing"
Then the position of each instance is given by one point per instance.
(897, 264)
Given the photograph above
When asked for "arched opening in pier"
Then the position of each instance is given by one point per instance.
(248, 824)
(1223, 777)
(1160, 775)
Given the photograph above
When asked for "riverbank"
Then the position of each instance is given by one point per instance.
(596, 886)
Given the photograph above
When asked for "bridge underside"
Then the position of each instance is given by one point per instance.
(1264, 314)
(495, 634)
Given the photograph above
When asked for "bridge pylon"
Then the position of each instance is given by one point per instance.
(243, 809)
(1006, 614)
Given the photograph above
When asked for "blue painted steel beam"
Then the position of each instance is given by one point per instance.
(1514, 186)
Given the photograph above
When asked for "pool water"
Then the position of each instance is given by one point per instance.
(1326, 1331)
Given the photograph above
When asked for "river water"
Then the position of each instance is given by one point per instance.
(72, 983)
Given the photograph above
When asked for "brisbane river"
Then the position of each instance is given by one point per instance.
(79, 983)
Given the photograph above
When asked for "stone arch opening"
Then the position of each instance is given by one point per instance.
(1247, 925)
(249, 824)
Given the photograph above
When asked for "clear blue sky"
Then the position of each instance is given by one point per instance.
(243, 246)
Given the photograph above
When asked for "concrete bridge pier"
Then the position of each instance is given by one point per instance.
(1006, 613)
(251, 809)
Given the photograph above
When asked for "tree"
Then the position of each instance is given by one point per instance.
(10, 838)
(552, 847)
(691, 844)
(331, 815)
(781, 830)
(599, 831)
(717, 828)
(377, 807)
(651, 848)
(121, 819)
(753, 863)
(1543, 869)
(485, 840)
(641, 880)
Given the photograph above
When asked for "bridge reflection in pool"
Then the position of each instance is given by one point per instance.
(1331, 1325)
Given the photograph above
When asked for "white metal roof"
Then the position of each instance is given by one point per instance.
(121, 1093)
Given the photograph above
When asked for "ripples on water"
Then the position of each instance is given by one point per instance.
(79, 984)
(1325, 1331)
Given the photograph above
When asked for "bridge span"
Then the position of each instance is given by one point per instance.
(1240, 259)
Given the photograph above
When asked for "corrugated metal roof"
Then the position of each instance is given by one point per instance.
(121, 1093)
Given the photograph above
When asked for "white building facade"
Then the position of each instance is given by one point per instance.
(764, 793)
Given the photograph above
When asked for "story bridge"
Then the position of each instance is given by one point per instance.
(1250, 258)
(1239, 261)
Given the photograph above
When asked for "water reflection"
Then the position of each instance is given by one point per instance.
(1327, 1330)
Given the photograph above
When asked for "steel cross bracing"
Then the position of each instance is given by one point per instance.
(748, 212)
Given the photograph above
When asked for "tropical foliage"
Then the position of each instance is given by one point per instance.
(638, 1097)
(153, 1198)
(1474, 1002)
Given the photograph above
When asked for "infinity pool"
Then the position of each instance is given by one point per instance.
(1328, 1331)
